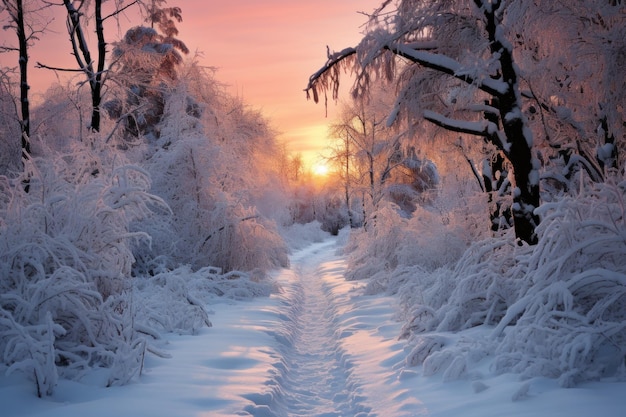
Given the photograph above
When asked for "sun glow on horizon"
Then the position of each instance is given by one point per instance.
(320, 169)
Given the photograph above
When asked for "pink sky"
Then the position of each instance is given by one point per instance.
(264, 50)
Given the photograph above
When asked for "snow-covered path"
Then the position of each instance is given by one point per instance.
(319, 347)
(314, 376)
(314, 379)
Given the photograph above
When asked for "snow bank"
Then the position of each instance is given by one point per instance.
(239, 367)
(555, 310)
(298, 236)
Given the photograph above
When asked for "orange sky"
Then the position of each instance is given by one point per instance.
(264, 50)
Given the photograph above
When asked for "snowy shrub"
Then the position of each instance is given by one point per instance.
(67, 300)
(331, 213)
(433, 243)
(30, 349)
(174, 301)
(557, 307)
(65, 255)
(396, 243)
(424, 348)
(208, 226)
(569, 320)
(298, 236)
(373, 250)
(242, 240)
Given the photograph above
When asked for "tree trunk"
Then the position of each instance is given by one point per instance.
(23, 63)
(83, 56)
(96, 89)
(519, 153)
(347, 185)
(499, 215)
(496, 179)
(16, 12)
(519, 141)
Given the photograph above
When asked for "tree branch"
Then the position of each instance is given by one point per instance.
(243, 219)
(115, 13)
(333, 60)
(43, 66)
(448, 66)
(482, 128)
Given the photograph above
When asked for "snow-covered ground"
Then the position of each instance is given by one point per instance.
(318, 347)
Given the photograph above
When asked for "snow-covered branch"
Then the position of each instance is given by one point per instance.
(449, 66)
(333, 61)
(482, 128)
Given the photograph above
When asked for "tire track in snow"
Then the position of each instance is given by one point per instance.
(313, 376)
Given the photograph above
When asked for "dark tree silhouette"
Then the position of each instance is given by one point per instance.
(26, 33)
(94, 70)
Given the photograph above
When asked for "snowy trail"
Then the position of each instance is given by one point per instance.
(324, 366)
(318, 348)
(313, 378)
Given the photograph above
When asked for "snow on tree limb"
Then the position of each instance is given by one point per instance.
(334, 60)
(481, 128)
(414, 52)
(449, 66)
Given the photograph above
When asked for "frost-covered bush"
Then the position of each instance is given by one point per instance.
(65, 255)
(299, 235)
(174, 301)
(67, 300)
(424, 240)
(332, 215)
(475, 290)
(208, 226)
(569, 319)
(240, 239)
(559, 308)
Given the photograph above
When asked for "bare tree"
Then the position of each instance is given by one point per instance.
(26, 32)
(367, 153)
(94, 70)
(341, 157)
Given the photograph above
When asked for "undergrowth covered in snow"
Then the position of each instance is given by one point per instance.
(555, 310)
(299, 236)
(68, 301)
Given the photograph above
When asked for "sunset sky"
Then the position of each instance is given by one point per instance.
(264, 50)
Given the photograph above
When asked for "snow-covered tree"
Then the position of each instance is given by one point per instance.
(147, 60)
(215, 168)
(375, 151)
(466, 41)
(341, 157)
(376, 162)
(574, 91)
